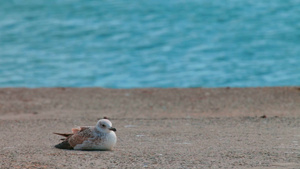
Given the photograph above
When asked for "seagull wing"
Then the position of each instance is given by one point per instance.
(77, 130)
(78, 136)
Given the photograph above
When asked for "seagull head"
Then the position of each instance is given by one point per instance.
(104, 125)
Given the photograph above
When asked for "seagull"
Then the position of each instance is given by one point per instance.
(99, 137)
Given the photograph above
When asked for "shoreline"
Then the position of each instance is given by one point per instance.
(195, 102)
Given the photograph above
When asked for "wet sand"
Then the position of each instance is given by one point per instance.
(157, 128)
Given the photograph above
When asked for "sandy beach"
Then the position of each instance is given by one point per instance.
(156, 128)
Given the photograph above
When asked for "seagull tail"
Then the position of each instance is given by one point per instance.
(64, 145)
(63, 134)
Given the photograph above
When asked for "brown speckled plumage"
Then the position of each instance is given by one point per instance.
(101, 136)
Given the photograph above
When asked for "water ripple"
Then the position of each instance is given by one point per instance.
(121, 44)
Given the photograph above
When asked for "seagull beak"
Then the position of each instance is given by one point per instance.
(113, 129)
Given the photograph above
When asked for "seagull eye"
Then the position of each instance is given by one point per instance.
(103, 125)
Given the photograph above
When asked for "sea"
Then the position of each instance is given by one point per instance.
(149, 43)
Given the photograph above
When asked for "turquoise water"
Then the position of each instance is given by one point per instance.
(132, 44)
